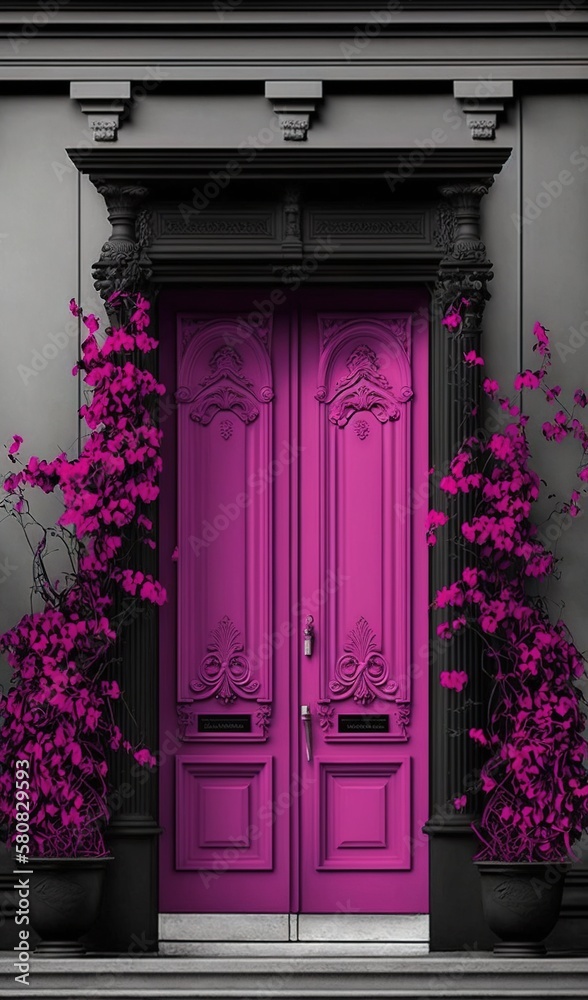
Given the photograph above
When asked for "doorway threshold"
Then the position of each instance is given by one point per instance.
(217, 934)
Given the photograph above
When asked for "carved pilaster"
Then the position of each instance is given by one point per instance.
(464, 273)
(130, 897)
(124, 264)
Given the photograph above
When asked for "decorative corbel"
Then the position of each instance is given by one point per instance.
(103, 101)
(124, 265)
(293, 102)
(482, 101)
(464, 270)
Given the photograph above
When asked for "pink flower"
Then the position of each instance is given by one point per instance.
(452, 320)
(434, 519)
(16, 443)
(490, 387)
(542, 345)
(453, 679)
(471, 358)
(528, 379)
(580, 398)
(551, 394)
(460, 803)
(478, 736)
(91, 322)
(451, 595)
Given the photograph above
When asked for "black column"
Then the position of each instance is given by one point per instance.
(128, 921)
(464, 272)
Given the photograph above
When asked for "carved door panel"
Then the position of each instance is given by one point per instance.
(363, 481)
(301, 491)
(227, 849)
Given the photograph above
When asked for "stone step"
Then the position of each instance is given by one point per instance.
(468, 976)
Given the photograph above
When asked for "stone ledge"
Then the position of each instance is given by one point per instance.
(467, 975)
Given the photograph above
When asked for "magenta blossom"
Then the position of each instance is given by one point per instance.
(534, 780)
(59, 710)
(453, 679)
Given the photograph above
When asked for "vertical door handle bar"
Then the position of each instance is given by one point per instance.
(306, 716)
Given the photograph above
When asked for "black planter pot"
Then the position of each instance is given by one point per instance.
(64, 901)
(521, 903)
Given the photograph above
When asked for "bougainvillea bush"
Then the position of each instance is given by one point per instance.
(534, 781)
(58, 713)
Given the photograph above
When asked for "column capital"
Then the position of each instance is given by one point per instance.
(464, 270)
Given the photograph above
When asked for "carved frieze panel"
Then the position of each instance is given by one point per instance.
(372, 225)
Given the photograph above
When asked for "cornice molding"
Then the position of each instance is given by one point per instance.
(481, 10)
(141, 165)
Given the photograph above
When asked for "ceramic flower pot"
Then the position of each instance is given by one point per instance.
(65, 896)
(521, 903)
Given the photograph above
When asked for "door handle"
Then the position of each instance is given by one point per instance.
(309, 635)
(306, 716)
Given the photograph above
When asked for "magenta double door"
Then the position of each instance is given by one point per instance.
(296, 773)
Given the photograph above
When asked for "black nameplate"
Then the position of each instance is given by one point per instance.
(364, 723)
(224, 723)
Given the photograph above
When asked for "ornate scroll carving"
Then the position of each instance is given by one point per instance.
(263, 716)
(401, 714)
(364, 387)
(124, 264)
(225, 388)
(326, 713)
(362, 429)
(368, 224)
(362, 672)
(185, 716)
(295, 129)
(225, 672)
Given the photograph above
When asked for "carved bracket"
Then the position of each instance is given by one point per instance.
(124, 265)
(482, 101)
(293, 102)
(103, 102)
(464, 271)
